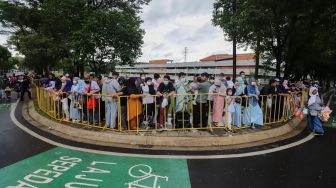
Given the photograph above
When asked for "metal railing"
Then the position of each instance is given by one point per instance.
(183, 111)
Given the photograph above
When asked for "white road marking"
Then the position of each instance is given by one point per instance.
(224, 156)
(328, 104)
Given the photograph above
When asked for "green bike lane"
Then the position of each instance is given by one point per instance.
(26, 161)
(60, 167)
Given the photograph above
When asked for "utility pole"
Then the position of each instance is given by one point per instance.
(257, 58)
(185, 52)
(234, 43)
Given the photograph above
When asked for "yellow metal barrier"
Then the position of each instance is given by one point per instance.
(183, 111)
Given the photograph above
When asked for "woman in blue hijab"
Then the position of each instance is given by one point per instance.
(253, 113)
(240, 92)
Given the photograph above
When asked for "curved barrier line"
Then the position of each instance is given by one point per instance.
(240, 155)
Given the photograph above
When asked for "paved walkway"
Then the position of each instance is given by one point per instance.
(31, 162)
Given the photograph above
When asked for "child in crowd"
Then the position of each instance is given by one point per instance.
(230, 108)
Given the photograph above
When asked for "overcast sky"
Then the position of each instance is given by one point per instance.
(172, 25)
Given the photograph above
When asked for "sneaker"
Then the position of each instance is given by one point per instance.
(194, 130)
(318, 134)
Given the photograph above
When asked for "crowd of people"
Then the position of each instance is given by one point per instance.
(19, 84)
(161, 103)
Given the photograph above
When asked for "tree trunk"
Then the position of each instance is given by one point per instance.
(278, 62)
(77, 68)
(81, 64)
(286, 73)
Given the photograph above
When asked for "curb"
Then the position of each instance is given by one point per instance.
(114, 139)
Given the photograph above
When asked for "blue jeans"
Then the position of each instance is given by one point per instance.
(111, 114)
(314, 124)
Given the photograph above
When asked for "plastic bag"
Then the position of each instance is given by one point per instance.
(269, 102)
(91, 103)
(305, 111)
(164, 103)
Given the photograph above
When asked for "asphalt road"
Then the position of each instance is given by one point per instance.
(312, 164)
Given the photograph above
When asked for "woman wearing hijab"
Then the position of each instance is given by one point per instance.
(253, 113)
(134, 106)
(240, 97)
(219, 100)
(74, 105)
(315, 106)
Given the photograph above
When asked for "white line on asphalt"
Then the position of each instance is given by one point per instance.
(331, 96)
(225, 156)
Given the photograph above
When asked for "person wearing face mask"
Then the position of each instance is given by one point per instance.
(66, 87)
(211, 95)
(222, 79)
(111, 86)
(142, 77)
(74, 105)
(253, 113)
(218, 105)
(240, 101)
(242, 74)
(165, 91)
(89, 101)
(201, 110)
(229, 82)
(181, 90)
(148, 102)
(315, 106)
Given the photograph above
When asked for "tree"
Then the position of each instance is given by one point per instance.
(94, 33)
(5, 63)
(274, 29)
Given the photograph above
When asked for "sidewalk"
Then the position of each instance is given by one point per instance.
(167, 140)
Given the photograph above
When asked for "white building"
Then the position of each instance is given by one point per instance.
(213, 65)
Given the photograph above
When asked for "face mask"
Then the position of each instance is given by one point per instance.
(87, 82)
(149, 83)
(212, 81)
(74, 82)
(243, 76)
(143, 78)
(165, 82)
(254, 83)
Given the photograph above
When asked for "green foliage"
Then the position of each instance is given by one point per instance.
(298, 34)
(56, 33)
(5, 59)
